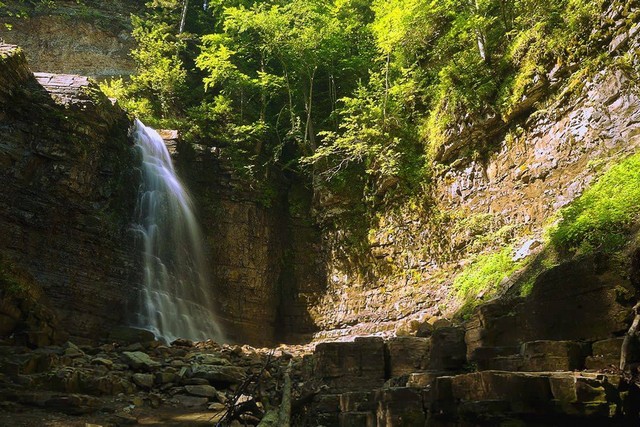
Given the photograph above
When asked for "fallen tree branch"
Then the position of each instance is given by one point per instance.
(284, 420)
(628, 343)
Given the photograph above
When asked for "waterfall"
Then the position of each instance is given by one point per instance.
(176, 300)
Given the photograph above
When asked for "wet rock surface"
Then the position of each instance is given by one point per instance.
(403, 381)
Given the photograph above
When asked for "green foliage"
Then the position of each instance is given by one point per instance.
(601, 218)
(485, 274)
(358, 94)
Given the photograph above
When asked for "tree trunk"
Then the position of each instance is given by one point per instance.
(386, 87)
(292, 116)
(308, 129)
(184, 16)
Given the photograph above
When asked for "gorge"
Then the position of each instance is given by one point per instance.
(499, 287)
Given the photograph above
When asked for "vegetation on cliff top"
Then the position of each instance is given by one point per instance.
(357, 96)
(357, 91)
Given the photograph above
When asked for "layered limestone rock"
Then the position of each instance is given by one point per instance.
(264, 261)
(546, 389)
(522, 174)
(69, 189)
(91, 38)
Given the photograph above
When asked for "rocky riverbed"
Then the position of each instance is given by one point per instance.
(135, 379)
(426, 380)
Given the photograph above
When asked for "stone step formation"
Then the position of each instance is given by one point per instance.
(368, 382)
(411, 381)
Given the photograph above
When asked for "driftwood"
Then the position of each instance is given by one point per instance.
(236, 405)
(631, 339)
(284, 419)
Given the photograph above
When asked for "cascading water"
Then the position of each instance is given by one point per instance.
(176, 300)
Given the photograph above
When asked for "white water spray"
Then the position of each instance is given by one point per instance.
(176, 300)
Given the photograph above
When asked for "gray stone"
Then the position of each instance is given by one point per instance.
(201, 390)
(130, 335)
(102, 361)
(218, 374)
(217, 407)
(210, 359)
(400, 407)
(189, 401)
(143, 380)
(553, 355)
(407, 355)
(139, 361)
(351, 366)
(448, 349)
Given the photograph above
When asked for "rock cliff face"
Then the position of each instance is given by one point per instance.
(90, 38)
(527, 172)
(278, 276)
(69, 188)
(264, 261)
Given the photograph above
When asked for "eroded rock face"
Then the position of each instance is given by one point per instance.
(69, 189)
(91, 38)
(265, 261)
(579, 300)
(522, 178)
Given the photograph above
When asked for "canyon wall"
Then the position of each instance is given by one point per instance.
(264, 259)
(495, 183)
(277, 260)
(69, 189)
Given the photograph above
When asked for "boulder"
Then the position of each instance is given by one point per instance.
(201, 390)
(400, 407)
(139, 361)
(605, 354)
(497, 358)
(209, 359)
(144, 381)
(189, 401)
(218, 374)
(553, 356)
(101, 361)
(448, 349)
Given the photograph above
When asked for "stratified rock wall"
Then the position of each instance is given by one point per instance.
(508, 193)
(264, 262)
(69, 186)
(90, 38)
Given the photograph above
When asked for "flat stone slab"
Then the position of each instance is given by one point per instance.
(67, 89)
